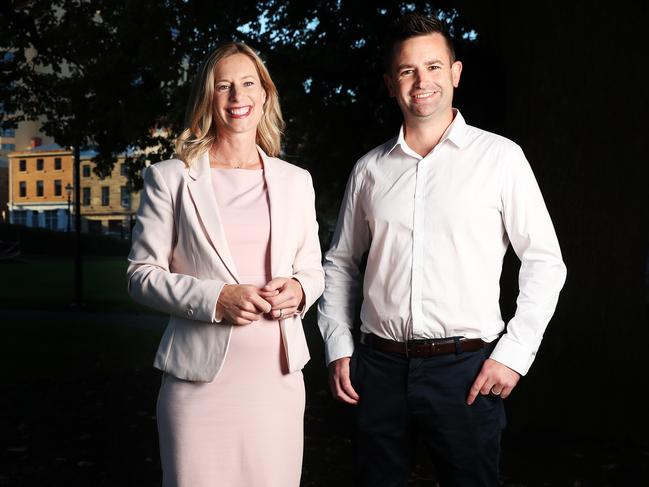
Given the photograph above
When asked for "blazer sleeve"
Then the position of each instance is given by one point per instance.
(307, 266)
(150, 280)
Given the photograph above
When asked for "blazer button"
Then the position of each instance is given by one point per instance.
(190, 312)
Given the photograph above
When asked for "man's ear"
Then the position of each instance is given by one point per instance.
(456, 71)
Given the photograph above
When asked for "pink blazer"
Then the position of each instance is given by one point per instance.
(179, 260)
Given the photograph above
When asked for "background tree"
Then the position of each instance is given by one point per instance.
(327, 59)
(122, 69)
(99, 77)
(77, 68)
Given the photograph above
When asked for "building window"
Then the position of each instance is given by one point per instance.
(8, 133)
(51, 219)
(57, 187)
(85, 200)
(9, 147)
(35, 219)
(105, 196)
(22, 165)
(22, 189)
(57, 163)
(125, 197)
(85, 171)
(39, 164)
(39, 188)
(122, 170)
(19, 217)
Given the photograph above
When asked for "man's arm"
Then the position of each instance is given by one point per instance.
(336, 307)
(542, 275)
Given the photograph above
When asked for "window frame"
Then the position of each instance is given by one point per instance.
(105, 196)
(86, 191)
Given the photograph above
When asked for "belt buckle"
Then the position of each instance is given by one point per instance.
(420, 349)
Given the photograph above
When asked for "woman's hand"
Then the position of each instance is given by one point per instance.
(241, 304)
(285, 295)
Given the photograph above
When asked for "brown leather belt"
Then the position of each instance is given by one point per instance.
(423, 348)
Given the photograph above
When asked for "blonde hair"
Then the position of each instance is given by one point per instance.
(200, 129)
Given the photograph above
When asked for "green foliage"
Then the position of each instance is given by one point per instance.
(107, 73)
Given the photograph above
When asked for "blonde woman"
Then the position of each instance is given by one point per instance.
(226, 242)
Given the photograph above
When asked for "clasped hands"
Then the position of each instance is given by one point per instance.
(241, 304)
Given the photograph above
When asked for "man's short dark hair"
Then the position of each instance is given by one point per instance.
(414, 25)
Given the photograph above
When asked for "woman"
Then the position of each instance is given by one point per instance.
(226, 242)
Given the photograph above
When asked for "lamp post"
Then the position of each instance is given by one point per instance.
(68, 189)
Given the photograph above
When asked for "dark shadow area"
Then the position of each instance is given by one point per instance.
(78, 409)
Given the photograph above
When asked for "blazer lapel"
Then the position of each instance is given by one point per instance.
(202, 193)
(272, 174)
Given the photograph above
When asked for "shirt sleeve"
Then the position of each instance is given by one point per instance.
(342, 274)
(542, 272)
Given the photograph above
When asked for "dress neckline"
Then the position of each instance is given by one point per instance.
(239, 169)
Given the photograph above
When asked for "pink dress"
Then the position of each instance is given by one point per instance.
(245, 428)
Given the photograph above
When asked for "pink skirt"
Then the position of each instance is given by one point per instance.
(243, 429)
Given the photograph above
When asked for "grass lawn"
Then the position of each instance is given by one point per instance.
(78, 409)
(38, 282)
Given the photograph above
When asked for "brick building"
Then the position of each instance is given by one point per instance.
(107, 205)
(37, 181)
(41, 184)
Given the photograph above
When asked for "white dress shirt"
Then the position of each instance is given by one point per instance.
(436, 229)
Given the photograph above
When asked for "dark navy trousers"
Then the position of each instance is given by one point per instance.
(406, 399)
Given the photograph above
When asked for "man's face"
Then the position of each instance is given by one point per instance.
(422, 77)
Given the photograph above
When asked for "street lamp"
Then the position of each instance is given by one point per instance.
(69, 188)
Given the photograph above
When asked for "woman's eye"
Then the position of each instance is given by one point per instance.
(248, 83)
(222, 88)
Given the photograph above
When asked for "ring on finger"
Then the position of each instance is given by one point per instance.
(281, 312)
(494, 392)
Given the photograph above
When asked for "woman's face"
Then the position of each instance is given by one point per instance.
(238, 95)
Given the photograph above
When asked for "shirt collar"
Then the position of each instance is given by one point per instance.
(455, 133)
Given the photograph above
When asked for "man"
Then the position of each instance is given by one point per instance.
(435, 209)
